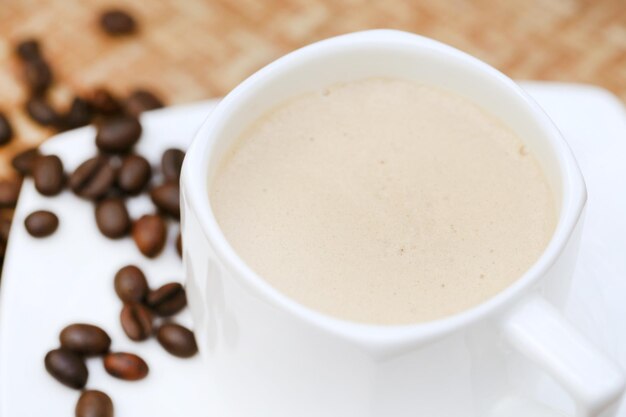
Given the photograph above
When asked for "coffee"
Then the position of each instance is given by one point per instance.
(134, 174)
(41, 223)
(150, 233)
(93, 178)
(48, 175)
(167, 300)
(67, 367)
(124, 365)
(383, 201)
(166, 198)
(137, 321)
(118, 134)
(177, 340)
(94, 403)
(131, 285)
(116, 22)
(112, 217)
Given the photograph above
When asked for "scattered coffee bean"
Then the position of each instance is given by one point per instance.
(167, 198)
(126, 366)
(118, 135)
(9, 191)
(93, 178)
(136, 321)
(179, 245)
(6, 131)
(38, 75)
(131, 284)
(171, 163)
(112, 217)
(117, 22)
(134, 174)
(24, 161)
(94, 403)
(149, 233)
(42, 112)
(140, 101)
(41, 223)
(167, 300)
(85, 339)
(28, 50)
(103, 102)
(177, 340)
(48, 175)
(67, 367)
(79, 114)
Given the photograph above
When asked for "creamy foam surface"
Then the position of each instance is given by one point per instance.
(383, 201)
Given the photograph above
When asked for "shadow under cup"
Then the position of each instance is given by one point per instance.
(286, 359)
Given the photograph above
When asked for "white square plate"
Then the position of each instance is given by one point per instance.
(68, 277)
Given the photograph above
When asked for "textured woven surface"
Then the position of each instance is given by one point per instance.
(193, 49)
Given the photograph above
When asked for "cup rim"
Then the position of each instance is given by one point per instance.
(380, 338)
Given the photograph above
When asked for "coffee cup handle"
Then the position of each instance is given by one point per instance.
(541, 333)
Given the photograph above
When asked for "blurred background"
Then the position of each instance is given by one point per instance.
(186, 50)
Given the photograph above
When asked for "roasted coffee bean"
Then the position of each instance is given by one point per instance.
(171, 163)
(118, 135)
(117, 22)
(177, 340)
(179, 245)
(9, 191)
(136, 321)
(93, 178)
(149, 233)
(126, 366)
(67, 367)
(134, 174)
(6, 131)
(112, 217)
(94, 403)
(140, 101)
(24, 161)
(167, 198)
(42, 112)
(79, 114)
(28, 50)
(167, 300)
(48, 175)
(130, 284)
(103, 102)
(38, 75)
(41, 223)
(85, 339)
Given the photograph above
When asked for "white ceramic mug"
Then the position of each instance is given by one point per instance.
(268, 356)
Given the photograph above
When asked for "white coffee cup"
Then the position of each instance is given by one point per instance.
(268, 356)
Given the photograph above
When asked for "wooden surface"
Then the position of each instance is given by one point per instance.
(193, 49)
